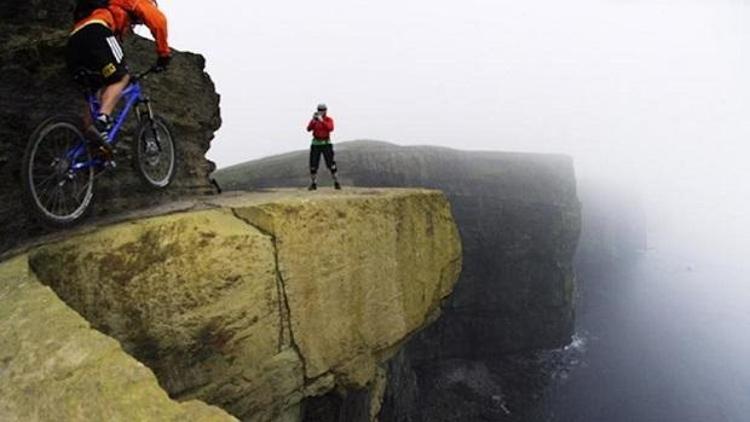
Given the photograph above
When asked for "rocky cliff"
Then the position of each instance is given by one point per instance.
(55, 367)
(35, 84)
(275, 306)
(519, 219)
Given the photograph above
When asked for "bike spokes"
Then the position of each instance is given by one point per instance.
(61, 193)
(59, 173)
(156, 154)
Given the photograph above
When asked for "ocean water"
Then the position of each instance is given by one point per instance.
(662, 337)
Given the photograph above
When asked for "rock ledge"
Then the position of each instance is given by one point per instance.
(251, 302)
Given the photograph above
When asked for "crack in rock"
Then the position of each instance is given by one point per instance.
(285, 311)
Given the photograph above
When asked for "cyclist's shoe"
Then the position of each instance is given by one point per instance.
(337, 185)
(313, 186)
(98, 134)
(99, 141)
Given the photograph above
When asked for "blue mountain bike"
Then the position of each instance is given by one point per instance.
(60, 165)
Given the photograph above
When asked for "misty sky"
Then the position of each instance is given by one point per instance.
(649, 93)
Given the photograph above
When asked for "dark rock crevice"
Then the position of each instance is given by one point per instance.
(286, 334)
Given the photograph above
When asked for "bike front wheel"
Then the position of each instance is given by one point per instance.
(58, 175)
(155, 153)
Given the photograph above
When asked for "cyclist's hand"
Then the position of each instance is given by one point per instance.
(162, 63)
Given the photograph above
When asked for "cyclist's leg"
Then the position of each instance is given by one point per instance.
(111, 63)
(95, 49)
(111, 94)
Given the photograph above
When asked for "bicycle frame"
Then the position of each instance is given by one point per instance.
(133, 95)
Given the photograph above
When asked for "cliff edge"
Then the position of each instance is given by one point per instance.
(255, 303)
(519, 218)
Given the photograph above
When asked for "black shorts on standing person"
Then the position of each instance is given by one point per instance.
(321, 126)
(325, 150)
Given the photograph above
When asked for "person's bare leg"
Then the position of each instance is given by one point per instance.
(111, 95)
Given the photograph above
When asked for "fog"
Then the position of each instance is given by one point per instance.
(650, 96)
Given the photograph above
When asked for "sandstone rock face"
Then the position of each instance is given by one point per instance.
(55, 367)
(387, 301)
(519, 219)
(256, 303)
(34, 84)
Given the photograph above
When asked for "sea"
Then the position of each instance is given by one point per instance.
(661, 336)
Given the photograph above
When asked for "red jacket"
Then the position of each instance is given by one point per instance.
(120, 16)
(321, 129)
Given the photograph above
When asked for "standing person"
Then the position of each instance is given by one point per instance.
(321, 127)
(94, 48)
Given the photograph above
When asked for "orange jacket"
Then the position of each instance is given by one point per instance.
(121, 15)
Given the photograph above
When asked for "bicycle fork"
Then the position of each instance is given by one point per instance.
(149, 114)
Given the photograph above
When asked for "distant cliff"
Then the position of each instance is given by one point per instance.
(35, 84)
(280, 306)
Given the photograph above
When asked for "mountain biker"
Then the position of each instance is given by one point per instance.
(94, 48)
(321, 127)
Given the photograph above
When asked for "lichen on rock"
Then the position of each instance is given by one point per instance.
(256, 302)
(55, 367)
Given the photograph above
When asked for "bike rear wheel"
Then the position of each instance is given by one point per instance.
(155, 153)
(59, 194)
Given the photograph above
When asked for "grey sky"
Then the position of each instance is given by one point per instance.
(653, 93)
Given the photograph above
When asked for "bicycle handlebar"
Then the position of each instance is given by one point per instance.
(143, 75)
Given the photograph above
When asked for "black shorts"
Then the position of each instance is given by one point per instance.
(95, 57)
(327, 152)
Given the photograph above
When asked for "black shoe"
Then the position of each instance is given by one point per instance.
(98, 134)
(97, 137)
(337, 185)
(313, 186)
